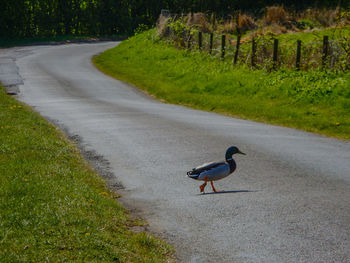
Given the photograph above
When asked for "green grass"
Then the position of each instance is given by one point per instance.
(53, 207)
(316, 35)
(315, 101)
(311, 49)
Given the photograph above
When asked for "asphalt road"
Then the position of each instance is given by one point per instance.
(288, 201)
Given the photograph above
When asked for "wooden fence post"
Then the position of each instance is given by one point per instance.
(200, 40)
(325, 50)
(237, 48)
(211, 43)
(213, 18)
(253, 52)
(237, 23)
(223, 42)
(297, 63)
(275, 53)
(189, 40)
(235, 59)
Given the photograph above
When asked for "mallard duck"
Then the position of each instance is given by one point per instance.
(215, 170)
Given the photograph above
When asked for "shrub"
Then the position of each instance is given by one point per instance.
(199, 21)
(163, 26)
(345, 17)
(305, 24)
(275, 29)
(229, 27)
(326, 17)
(246, 22)
(276, 15)
(180, 32)
(141, 28)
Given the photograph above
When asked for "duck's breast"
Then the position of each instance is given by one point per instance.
(216, 173)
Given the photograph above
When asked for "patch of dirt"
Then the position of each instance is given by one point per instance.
(98, 162)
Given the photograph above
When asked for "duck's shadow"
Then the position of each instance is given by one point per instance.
(229, 192)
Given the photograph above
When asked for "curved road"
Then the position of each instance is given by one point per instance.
(288, 201)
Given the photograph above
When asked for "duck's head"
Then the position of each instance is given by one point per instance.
(231, 151)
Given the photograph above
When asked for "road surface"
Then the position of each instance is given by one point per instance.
(288, 201)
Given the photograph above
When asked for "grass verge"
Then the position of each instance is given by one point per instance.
(316, 101)
(53, 206)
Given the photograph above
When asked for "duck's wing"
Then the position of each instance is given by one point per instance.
(204, 167)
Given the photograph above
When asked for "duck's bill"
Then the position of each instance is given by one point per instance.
(241, 152)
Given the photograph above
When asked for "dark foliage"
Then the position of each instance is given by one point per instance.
(49, 18)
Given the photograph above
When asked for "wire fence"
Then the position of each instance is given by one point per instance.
(267, 52)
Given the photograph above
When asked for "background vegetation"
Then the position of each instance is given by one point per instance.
(50, 18)
(200, 31)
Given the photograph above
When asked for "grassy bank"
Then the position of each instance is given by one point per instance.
(315, 101)
(53, 206)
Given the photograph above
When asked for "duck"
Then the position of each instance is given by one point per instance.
(214, 171)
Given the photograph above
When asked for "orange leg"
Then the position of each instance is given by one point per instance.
(212, 185)
(204, 185)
